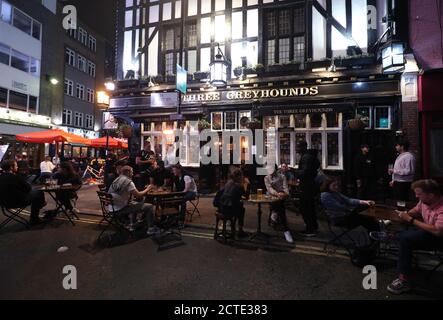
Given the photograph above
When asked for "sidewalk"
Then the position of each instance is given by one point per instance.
(89, 205)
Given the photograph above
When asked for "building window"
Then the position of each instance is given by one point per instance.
(33, 104)
(35, 67)
(231, 120)
(89, 121)
(18, 101)
(169, 64)
(19, 61)
(191, 35)
(286, 26)
(92, 43)
(382, 118)
(217, 121)
(80, 92)
(70, 57)
(67, 117)
(82, 36)
(3, 97)
(22, 21)
(69, 87)
(72, 33)
(90, 95)
(91, 69)
(5, 53)
(5, 12)
(78, 119)
(36, 29)
(81, 63)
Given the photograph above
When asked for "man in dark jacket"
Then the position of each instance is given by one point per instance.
(306, 173)
(15, 192)
(364, 173)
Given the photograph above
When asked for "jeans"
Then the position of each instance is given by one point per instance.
(307, 206)
(354, 220)
(279, 208)
(414, 240)
(188, 197)
(402, 190)
(44, 176)
(37, 201)
(132, 209)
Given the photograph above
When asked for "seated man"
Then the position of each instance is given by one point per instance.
(277, 186)
(286, 171)
(343, 211)
(121, 190)
(427, 216)
(184, 182)
(159, 175)
(15, 192)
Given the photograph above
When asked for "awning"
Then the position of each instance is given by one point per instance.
(51, 136)
(112, 143)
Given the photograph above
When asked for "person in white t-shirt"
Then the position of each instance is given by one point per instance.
(121, 190)
(46, 169)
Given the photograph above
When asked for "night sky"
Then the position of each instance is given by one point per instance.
(98, 14)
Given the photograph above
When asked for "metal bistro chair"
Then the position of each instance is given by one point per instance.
(168, 218)
(13, 214)
(106, 200)
(194, 208)
(220, 217)
(338, 236)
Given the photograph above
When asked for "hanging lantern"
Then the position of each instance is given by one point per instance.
(219, 69)
(392, 54)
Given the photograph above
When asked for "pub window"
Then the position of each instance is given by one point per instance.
(206, 7)
(237, 3)
(382, 118)
(322, 132)
(167, 11)
(365, 114)
(128, 19)
(216, 121)
(244, 117)
(169, 64)
(231, 120)
(286, 26)
(191, 35)
(269, 122)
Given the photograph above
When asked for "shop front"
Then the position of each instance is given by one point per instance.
(318, 113)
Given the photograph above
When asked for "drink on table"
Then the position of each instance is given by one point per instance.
(259, 194)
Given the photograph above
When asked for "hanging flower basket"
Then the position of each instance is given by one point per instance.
(203, 124)
(126, 131)
(356, 124)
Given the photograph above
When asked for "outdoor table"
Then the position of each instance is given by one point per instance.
(383, 213)
(254, 199)
(156, 197)
(52, 191)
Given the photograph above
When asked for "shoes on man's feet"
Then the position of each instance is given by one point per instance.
(399, 286)
(49, 215)
(75, 211)
(181, 225)
(35, 222)
(308, 234)
(381, 236)
(241, 234)
(288, 237)
(152, 231)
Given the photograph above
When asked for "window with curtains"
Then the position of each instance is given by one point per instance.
(284, 35)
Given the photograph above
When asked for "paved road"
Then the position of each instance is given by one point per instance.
(202, 268)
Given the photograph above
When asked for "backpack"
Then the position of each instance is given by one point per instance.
(362, 256)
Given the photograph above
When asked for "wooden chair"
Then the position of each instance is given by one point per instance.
(220, 217)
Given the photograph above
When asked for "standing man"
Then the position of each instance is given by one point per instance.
(15, 192)
(46, 169)
(144, 161)
(184, 182)
(364, 173)
(403, 172)
(427, 218)
(306, 173)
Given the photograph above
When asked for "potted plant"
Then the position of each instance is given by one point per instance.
(238, 71)
(203, 124)
(357, 123)
(200, 75)
(254, 124)
(259, 69)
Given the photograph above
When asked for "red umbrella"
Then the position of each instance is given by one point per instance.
(51, 136)
(113, 143)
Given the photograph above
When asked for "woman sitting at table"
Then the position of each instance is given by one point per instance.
(277, 186)
(67, 175)
(344, 211)
(231, 203)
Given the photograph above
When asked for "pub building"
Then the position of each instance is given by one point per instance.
(319, 71)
